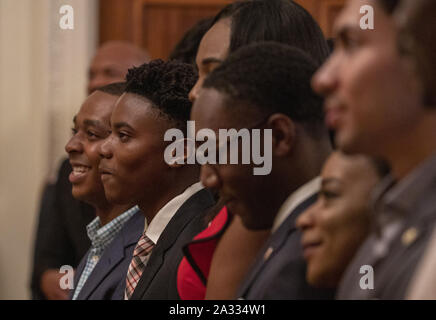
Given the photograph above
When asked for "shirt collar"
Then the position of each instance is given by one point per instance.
(392, 199)
(164, 215)
(101, 236)
(294, 199)
(407, 192)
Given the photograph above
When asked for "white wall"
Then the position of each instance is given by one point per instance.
(42, 84)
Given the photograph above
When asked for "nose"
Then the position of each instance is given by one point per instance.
(324, 80)
(74, 145)
(209, 177)
(306, 219)
(105, 148)
(195, 91)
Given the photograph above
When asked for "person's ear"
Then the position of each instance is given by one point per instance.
(283, 134)
(186, 157)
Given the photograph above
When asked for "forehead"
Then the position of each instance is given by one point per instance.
(354, 169)
(98, 106)
(209, 109)
(216, 41)
(351, 15)
(138, 112)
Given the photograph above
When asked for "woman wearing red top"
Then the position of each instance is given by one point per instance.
(217, 258)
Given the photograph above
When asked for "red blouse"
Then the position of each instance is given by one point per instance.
(194, 268)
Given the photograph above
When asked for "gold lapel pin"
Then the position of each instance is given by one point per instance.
(409, 236)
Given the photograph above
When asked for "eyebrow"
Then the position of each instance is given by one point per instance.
(343, 31)
(75, 119)
(326, 181)
(119, 125)
(93, 123)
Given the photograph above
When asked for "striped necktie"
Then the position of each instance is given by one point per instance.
(138, 263)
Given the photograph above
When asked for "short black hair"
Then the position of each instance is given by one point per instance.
(273, 77)
(115, 89)
(186, 49)
(283, 21)
(166, 85)
(389, 5)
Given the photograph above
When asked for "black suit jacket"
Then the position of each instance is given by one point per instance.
(108, 279)
(159, 279)
(61, 237)
(279, 271)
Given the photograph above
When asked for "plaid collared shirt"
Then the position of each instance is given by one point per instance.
(100, 238)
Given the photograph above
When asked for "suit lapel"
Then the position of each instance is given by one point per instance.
(274, 244)
(114, 254)
(192, 208)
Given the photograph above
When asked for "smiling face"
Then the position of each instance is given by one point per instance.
(91, 127)
(334, 227)
(371, 97)
(212, 51)
(243, 192)
(132, 166)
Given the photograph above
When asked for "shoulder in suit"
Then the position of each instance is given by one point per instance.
(279, 271)
(108, 279)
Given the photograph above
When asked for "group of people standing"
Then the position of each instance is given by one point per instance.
(347, 209)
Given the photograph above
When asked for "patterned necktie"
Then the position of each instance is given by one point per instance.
(137, 265)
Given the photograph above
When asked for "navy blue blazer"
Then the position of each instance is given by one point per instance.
(279, 271)
(108, 279)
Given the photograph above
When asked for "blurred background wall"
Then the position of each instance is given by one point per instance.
(43, 76)
(42, 83)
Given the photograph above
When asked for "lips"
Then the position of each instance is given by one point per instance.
(309, 247)
(333, 113)
(79, 172)
(105, 172)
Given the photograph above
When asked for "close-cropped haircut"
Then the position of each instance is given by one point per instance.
(282, 21)
(274, 78)
(166, 85)
(115, 89)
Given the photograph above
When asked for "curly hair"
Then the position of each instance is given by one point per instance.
(274, 78)
(166, 85)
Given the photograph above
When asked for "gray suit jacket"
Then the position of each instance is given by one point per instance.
(279, 271)
(394, 268)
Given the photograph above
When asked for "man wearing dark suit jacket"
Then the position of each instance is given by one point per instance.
(376, 103)
(134, 168)
(267, 86)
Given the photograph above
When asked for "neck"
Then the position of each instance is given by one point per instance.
(109, 212)
(414, 147)
(169, 188)
(304, 164)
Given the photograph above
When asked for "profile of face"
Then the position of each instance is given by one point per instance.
(212, 51)
(111, 62)
(336, 224)
(91, 127)
(372, 98)
(241, 191)
(132, 165)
